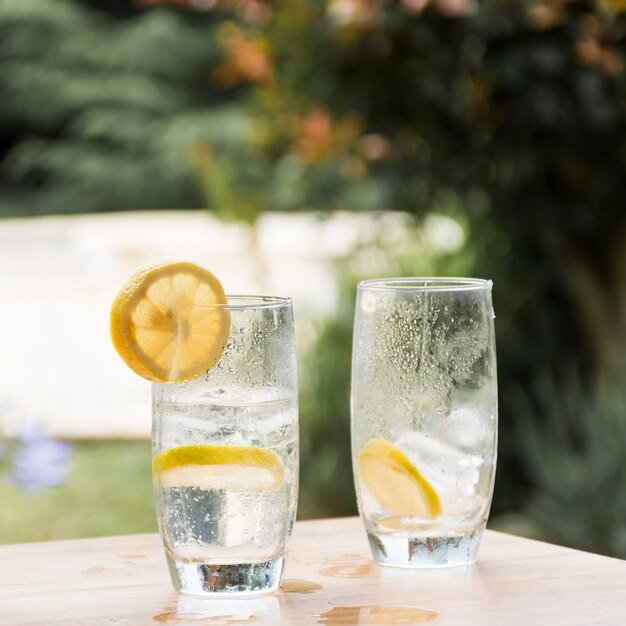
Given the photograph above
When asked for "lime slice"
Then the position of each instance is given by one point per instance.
(236, 468)
(163, 325)
(395, 482)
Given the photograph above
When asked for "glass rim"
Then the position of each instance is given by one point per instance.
(244, 302)
(425, 284)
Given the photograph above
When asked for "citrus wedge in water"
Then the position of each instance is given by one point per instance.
(237, 468)
(163, 325)
(395, 482)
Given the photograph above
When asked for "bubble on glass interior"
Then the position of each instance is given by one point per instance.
(258, 359)
(416, 351)
(368, 301)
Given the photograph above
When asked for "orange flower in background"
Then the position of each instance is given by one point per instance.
(608, 60)
(247, 60)
(317, 136)
(414, 6)
(594, 49)
(313, 135)
(254, 10)
(454, 8)
(596, 38)
(351, 17)
(546, 15)
(374, 147)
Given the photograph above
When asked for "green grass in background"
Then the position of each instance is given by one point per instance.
(108, 492)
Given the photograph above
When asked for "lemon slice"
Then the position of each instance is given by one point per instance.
(395, 482)
(162, 323)
(237, 468)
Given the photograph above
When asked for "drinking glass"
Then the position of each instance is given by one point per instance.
(225, 457)
(424, 417)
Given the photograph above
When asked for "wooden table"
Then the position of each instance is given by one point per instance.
(330, 579)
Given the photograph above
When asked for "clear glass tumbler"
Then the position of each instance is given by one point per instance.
(424, 417)
(225, 457)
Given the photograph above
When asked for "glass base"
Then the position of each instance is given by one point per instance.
(402, 550)
(230, 579)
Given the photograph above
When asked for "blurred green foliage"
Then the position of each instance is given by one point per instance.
(507, 115)
(102, 114)
(574, 439)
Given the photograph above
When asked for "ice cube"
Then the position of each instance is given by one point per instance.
(468, 473)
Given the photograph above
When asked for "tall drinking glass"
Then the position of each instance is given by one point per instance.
(225, 457)
(424, 417)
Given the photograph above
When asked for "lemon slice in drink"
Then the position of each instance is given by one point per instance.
(237, 468)
(395, 482)
(163, 326)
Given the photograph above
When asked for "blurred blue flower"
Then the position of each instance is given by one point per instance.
(40, 462)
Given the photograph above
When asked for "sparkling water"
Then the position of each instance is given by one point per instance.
(463, 478)
(424, 379)
(227, 539)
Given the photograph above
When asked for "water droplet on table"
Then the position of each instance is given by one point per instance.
(297, 585)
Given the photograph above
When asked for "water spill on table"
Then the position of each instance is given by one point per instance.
(173, 617)
(297, 585)
(371, 615)
(348, 566)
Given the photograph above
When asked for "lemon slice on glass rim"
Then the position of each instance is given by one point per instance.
(164, 322)
(235, 468)
(395, 482)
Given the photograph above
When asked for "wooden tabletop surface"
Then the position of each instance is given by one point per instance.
(330, 579)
